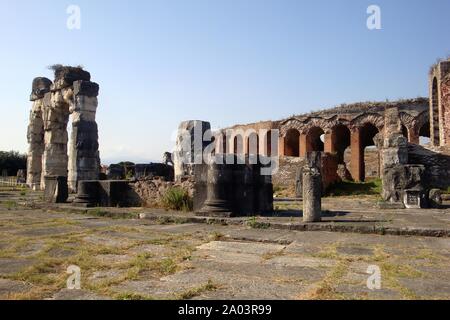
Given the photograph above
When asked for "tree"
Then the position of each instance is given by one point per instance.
(12, 161)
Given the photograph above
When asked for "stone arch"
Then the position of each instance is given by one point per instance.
(340, 140)
(292, 143)
(238, 144)
(374, 119)
(267, 144)
(435, 112)
(252, 143)
(73, 97)
(369, 132)
(314, 138)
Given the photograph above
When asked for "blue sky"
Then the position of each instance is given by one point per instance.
(226, 61)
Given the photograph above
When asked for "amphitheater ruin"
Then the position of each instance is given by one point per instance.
(409, 140)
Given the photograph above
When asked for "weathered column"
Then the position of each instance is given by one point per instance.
(35, 134)
(357, 156)
(312, 195)
(56, 116)
(84, 159)
(218, 185)
(189, 147)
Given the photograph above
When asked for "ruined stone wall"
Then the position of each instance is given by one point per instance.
(437, 165)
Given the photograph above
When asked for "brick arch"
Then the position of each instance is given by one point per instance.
(368, 118)
(338, 140)
(291, 143)
(419, 122)
(313, 139)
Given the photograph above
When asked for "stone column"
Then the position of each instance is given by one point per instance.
(56, 116)
(219, 184)
(357, 157)
(35, 135)
(84, 159)
(189, 147)
(312, 195)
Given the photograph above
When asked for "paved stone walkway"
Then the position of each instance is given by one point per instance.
(150, 259)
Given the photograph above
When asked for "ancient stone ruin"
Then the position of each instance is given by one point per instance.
(222, 169)
(72, 96)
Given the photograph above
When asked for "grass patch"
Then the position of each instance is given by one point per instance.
(195, 292)
(10, 205)
(177, 199)
(132, 296)
(349, 188)
(326, 289)
(255, 224)
(271, 255)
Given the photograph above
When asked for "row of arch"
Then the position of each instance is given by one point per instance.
(337, 136)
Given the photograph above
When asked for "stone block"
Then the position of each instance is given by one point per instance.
(398, 178)
(40, 87)
(105, 193)
(56, 189)
(189, 147)
(435, 198)
(65, 76)
(414, 199)
(85, 88)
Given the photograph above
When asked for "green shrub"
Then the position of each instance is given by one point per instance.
(177, 199)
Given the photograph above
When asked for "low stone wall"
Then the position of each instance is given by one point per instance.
(152, 191)
(437, 165)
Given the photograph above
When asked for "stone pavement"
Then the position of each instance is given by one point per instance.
(154, 259)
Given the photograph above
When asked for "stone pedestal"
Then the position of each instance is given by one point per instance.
(312, 195)
(414, 199)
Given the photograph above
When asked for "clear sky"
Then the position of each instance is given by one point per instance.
(226, 61)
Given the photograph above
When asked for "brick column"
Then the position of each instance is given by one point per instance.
(303, 146)
(357, 159)
(329, 142)
(413, 136)
(281, 150)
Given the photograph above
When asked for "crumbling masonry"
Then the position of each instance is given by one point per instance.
(72, 96)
